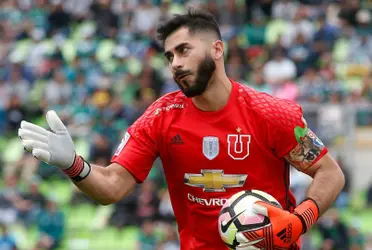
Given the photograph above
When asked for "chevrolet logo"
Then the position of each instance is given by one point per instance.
(215, 180)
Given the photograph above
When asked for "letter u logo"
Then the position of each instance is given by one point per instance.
(238, 146)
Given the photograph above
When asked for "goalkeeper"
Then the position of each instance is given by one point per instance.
(215, 137)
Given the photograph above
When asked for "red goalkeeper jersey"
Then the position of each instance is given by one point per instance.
(209, 156)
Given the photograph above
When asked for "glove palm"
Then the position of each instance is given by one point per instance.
(52, 147)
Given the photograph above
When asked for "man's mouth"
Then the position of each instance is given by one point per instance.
(183, 76)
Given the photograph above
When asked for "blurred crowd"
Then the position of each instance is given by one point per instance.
(97, 64)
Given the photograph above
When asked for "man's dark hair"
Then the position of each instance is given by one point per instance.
(195, 20)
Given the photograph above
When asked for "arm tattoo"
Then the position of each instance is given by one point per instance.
(306, 151)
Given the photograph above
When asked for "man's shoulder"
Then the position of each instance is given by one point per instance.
(256, 100)
(266, 105)
(165, 105)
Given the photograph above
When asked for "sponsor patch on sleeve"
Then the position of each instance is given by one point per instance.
(122, 144)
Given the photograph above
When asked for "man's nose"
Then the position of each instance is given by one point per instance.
(177, 64)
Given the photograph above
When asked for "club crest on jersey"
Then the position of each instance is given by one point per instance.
(211, 147)
(238, 146)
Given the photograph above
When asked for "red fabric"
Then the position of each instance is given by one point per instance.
(254, 132)
(76, 167)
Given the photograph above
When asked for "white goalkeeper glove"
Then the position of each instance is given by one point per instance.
(54, 148)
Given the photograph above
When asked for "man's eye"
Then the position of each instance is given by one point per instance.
(184, 50)
(170, 58)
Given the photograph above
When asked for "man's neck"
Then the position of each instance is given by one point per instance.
(216, 95)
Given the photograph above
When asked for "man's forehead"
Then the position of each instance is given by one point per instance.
(181, 35)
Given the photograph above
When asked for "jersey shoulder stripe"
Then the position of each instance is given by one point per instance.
(152, 118)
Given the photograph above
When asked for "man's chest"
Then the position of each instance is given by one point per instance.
(215, 156)
(209, 144)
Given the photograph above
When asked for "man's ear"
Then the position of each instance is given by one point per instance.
(217, 50)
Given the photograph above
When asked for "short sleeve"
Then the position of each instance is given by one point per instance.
(139, 148)
(290, 137)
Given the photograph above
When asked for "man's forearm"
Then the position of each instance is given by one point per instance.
(105, 185)
(327, 184)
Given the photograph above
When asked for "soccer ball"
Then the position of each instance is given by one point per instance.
(236, 217)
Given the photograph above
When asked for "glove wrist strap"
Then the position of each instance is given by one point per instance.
(79, 169)
(308, 212)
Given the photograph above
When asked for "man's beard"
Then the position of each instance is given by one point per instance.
(204, 73)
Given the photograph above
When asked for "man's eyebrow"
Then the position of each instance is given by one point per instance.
(168, 53)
